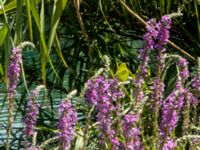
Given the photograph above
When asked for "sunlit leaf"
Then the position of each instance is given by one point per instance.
(122, 72)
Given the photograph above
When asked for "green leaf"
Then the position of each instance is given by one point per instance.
(1, 70)
(122, 72)
(58, 50)
(11, 5)
(19, 18)
(80, 140)
(8, 7)
(3, 33)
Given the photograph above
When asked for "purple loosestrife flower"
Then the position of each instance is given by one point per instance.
(190, 97)
(171, 107)
(14, 70)
(131, 133)
(158, 89)
(163, 32)
(196, 79)
(183, 64)
(162, 37)
(149, 39)
(67, 121)
(196, 83)
(169, 145)
(102, 93)
(32, 110)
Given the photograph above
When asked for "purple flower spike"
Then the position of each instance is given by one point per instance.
(183, 64)
(32, 110)
(163, 27)
(102, 93)
(196, 83)
(149, 38)
(67, 121)
(131, 133)
(171, 108)
(169, 145)
(14, 70)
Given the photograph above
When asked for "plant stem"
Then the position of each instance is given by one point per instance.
(157, 97)
(10, 121)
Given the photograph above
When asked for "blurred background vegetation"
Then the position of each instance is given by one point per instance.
(70, 37)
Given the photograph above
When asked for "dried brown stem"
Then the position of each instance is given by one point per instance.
(82, 26)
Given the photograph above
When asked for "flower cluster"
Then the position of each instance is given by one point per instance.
(183, 64)
(67, 121)
(196, 79)
(158, 89)
(196, 83)
(102, 90)
(169, 145)
(149, 37)
(32, 110)
(131, 133)
(170, 114)
(14, 70)
(184, 75)
(102, 93)
(163, 32)
(190, 97)
(161, 39)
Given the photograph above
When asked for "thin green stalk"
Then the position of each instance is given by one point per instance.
(23, 76)
(162, 7)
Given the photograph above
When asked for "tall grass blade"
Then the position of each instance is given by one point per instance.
(44, 52)
(28, 10)
(59, 7)
(168, 6)
(19, 19)
(197, 18)
(162, 7)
